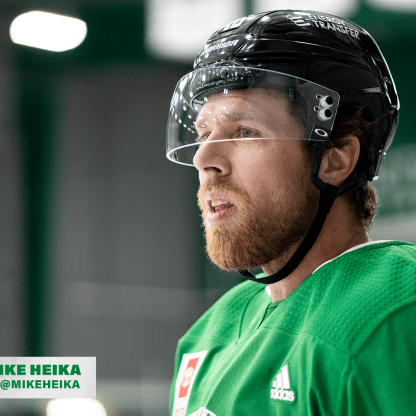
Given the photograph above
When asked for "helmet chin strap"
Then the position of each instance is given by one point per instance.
(327, 198)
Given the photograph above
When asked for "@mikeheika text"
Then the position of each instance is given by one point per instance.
(40, 384)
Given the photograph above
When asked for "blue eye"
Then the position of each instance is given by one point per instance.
(246, 132)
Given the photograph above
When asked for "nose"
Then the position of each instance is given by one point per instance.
(212, 159)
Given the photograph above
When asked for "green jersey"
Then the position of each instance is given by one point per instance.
(342, 343)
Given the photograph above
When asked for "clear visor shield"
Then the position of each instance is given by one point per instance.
(223, 103)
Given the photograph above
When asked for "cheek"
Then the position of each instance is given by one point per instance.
(261, 175)
(267, 158)
(270, 168)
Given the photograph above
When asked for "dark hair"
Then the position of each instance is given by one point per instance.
(357, 121)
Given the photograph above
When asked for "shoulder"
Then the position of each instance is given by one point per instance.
(380, 372)
(373, 258)
(346, 298)
(364, 288)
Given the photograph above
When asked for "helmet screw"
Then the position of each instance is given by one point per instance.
(329, 100)
(224, 73)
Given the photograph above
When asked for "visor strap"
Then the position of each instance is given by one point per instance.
(326, 200)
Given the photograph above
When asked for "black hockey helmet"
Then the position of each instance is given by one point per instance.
(321, 48)
(323, 60)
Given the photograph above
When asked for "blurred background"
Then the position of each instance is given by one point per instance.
(101, 248)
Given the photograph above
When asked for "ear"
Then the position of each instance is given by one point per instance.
(338, 163)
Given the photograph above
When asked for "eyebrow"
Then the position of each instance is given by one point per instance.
(235, 116)
(239, 116)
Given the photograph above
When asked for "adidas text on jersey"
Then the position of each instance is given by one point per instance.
(281, 386)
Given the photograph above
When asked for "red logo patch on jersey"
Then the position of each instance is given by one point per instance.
(187, 377)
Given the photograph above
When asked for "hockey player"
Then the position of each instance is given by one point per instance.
(287, 117)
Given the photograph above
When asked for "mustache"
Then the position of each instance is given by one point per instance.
(216, 185)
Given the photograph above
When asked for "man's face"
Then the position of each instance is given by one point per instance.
(256, 198)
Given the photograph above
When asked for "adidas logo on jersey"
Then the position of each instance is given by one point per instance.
(281, 386)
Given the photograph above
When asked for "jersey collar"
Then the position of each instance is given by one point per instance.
(369, 243)
(347, 251)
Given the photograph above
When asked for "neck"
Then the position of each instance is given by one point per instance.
(339, 233)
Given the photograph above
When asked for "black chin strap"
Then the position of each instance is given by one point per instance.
(328, 195)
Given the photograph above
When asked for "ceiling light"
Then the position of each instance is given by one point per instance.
(49, 31)
(79, 407)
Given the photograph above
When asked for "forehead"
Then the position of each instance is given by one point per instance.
(255, 100)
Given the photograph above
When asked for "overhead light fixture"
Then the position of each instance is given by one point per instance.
(49, 31)
(79, 407)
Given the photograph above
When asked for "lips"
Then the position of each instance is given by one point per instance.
(216, 202)
(219, 205)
